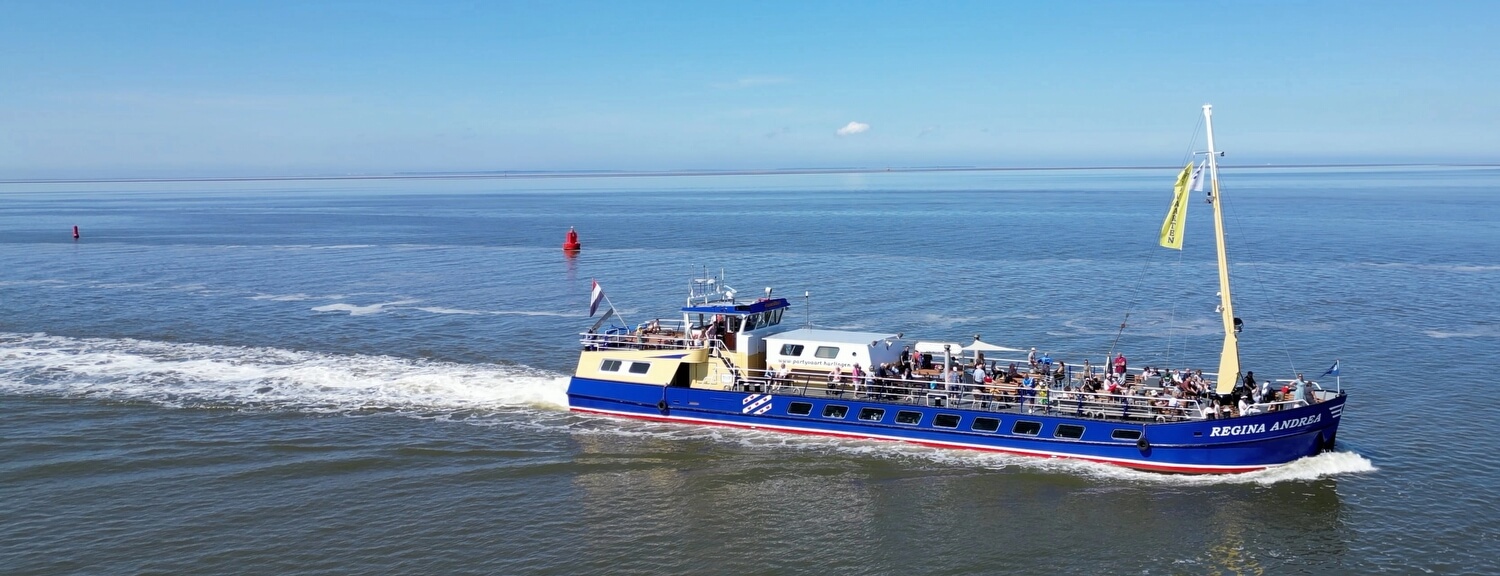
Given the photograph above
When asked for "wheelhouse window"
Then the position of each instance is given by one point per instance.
(946, 421)
(640, 367)
(1073, 431)
(610, 366)
(871, 414)
(908, 417)
(827, 352)
(791, 349)
(835, 411)
(734, 323)
(1025, 428)
(986, 424)
(799, 409)
(1126, 434)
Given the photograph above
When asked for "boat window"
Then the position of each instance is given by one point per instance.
(986, 424)
(734, 323)
(827, 352)
(1068, 431)
(610, 366)
(776, 315)
(1025, 428)
(751, 321)
(1126, 434)
(871, 414)
(640, 367)
(835, 411)
(791, 349)
(908, 417)
(946, 421)
(799, 409)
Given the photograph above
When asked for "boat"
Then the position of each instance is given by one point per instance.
(743, 362)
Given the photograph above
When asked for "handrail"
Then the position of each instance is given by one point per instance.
(997, 397)
(1132, 402)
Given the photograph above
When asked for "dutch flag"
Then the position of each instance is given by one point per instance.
(595, 298)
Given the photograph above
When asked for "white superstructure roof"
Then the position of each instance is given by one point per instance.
(833, 336)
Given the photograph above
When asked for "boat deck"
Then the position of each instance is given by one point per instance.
(1141, 399)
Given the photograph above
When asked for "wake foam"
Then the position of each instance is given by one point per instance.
(1475, 332)
(354, 310)
(196, 375)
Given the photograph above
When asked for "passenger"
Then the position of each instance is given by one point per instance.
(1244, 406)
(1308, 394)
(1120, 365)
(1031, 358)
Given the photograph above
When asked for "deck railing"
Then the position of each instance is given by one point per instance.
(1142, 399)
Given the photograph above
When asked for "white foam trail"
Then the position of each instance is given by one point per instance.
(1458, 268)
(195, 375)
(282, 297)
(361, 310)
(1477, 332)
(438, 310)
(535, 313)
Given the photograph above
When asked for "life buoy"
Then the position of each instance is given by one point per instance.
(1143, 444)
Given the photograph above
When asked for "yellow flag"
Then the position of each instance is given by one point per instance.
(1171, 229)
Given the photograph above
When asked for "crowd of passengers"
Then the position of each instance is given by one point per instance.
(1045, 384)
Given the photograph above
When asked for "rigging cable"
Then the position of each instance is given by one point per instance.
(1270, 312)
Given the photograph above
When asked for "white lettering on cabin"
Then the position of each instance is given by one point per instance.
(1261, 428)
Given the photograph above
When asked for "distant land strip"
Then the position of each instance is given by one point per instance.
(543, 174)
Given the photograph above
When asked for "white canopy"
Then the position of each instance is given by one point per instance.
(937, 347)
(982, 346)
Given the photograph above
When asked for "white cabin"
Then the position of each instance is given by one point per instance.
(823, 350)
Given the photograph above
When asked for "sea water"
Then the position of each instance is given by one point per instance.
(364, 376)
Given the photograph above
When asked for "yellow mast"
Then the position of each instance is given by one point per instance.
(1229, 359)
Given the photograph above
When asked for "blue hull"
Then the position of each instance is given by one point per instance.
(1210, 446)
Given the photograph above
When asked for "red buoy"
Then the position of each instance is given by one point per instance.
(571, 244)
(75, 231)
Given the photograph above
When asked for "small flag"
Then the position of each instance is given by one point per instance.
(1332, 370)
(1195, 183)
(595, 298)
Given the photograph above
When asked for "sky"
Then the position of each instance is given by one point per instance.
(138, 88)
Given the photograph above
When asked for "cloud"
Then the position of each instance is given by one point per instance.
(853, 128)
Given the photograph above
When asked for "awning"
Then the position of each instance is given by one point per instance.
(937, 347)
(982, 346)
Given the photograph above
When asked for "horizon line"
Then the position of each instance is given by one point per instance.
(550, 174)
